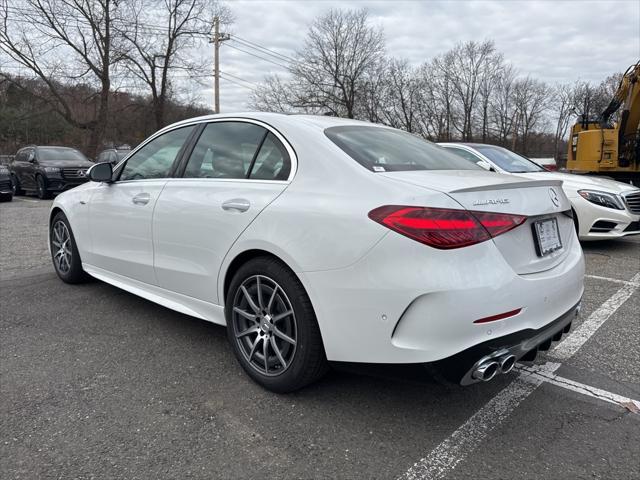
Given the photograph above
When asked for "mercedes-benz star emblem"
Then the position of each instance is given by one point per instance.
(81, 173)
(554, 197)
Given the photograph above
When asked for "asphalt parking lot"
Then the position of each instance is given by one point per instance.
(98, 383)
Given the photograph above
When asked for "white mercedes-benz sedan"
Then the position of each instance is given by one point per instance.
(317, 240)
(603, 208)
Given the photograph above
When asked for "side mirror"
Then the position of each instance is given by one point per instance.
(31, 158)
(485, 165)
(101, 172)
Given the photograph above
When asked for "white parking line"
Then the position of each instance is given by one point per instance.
(579, 336)
(612, 280)
(28, 200)
(444, 458)
(546, 375)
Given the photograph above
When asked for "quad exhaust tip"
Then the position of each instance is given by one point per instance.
(490, 368)
(486, 371)
(507, 362)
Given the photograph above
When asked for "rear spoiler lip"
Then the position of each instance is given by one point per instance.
(510, 186)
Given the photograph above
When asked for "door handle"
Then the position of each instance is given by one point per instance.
(238, 204)
(141, 199)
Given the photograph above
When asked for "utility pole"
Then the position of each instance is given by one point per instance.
(217, 39)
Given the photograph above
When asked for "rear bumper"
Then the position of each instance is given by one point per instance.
(408, 303)
(459, 366)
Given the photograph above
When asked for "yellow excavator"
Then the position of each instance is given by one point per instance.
(599, 147)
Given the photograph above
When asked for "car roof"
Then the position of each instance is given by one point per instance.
(280, 119)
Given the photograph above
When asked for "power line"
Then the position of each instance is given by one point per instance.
(239, 78)
(260, 57)
(236, 83)
(265, 49)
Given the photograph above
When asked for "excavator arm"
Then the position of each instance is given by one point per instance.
(628, 89)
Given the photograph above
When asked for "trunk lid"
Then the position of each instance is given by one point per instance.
(491, 192)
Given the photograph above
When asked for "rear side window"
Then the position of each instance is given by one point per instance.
(387, 150)
(272, 161)
(238, 150)
(225, 150)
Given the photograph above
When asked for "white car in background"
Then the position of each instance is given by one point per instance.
(318, 239)
(603, 208)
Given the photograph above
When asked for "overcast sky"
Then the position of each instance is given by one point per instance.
(557, 41)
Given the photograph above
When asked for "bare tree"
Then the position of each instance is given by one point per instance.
(402, 94)
(330, 72)
(64, 39)
(502, 107)
(157, 39)
(531, 99)
(562, 106)
(466, 64)
(437, 83)
(274, 95)
(492, 71)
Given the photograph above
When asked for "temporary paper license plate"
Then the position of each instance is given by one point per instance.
(547, 236)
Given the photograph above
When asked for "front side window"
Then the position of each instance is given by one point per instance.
(509, 161)
(225, 150)
(156, 158)
(21, 156)
(388, 150)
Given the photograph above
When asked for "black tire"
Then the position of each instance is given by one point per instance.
(6, 197)
(15, 184)
(42, 191)
(305, 360)
(70, 271)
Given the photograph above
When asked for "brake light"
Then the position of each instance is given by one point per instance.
(444, 228)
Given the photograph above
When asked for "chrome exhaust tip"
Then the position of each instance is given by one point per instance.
(507, 362)
(486, 371)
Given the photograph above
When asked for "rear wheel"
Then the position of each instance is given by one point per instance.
(42, 191)
(64, 252)
(272, 326)
(6, 197)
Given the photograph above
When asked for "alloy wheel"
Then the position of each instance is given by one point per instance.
(61, 247)
(264, 325)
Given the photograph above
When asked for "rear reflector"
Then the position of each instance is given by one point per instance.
(500, 316)
(444, 228)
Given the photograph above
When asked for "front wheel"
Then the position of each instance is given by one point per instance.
(272, 326)
(43, 193)
(64, 251)
(15, 186)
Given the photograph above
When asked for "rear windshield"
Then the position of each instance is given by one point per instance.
(388, 150)
(48, 153)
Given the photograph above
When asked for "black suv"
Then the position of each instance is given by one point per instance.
(46, 170)
(6, 193)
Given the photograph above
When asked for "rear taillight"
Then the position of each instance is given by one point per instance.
(443, 227)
